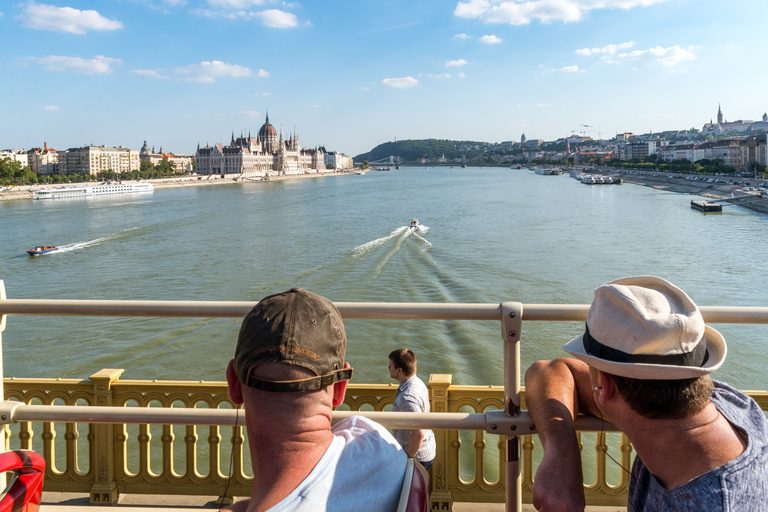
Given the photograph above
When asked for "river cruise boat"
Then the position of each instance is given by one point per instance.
(42, 249)
(91, 191)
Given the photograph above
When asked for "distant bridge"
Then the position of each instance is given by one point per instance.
(389, 160)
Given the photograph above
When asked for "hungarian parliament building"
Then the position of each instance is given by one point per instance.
(266, 155)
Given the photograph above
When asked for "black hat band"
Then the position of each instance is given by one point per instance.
(695, 358)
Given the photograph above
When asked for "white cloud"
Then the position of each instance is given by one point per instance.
(407, 81)
(523, 12)
(250, 114)
(461, 36)
(262, 74)
(543, 104)
(666, 56)
(609, 49)
(199, 79)
(152, 73)
(235, 4)
(239, 9)
(263, 94)
(277, 19)
(571, 69)
(491, 39)
(317, 106)
(444, 75)
(65, 19)
(452, 63)
(207, 72)
(96, 66)
(461, 75)
(52, 109)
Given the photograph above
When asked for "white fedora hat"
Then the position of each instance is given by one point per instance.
(647, 328)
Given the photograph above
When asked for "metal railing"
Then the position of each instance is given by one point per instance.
(108, 457)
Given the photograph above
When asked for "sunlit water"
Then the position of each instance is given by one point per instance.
(486, 235)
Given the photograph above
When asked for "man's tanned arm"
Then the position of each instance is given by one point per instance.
(556, 391)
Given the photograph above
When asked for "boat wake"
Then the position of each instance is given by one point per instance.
(91, 243)
(404, 232)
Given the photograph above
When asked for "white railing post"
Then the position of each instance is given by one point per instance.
(2, 389)
(511, 325)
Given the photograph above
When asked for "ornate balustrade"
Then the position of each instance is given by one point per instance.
(482, 456)
(108, 459)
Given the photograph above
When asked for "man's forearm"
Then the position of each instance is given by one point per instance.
(414, 442)
(555, 392)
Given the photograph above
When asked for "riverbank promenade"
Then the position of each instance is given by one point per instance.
(112, 440)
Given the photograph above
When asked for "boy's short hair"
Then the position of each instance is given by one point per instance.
(404, 359)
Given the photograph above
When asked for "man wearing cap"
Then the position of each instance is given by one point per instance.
(289, 372)
(644, 364)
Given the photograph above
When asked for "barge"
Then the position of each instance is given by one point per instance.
(706, 206)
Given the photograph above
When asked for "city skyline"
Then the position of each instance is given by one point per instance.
(353, 75)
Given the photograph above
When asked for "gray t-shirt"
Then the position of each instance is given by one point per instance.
(740, 485)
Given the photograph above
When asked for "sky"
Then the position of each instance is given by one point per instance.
(349, 75)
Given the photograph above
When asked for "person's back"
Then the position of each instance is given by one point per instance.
(289, 372)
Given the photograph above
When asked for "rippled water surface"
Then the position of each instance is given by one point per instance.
(487, 235)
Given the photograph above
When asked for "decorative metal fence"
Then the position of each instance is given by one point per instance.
(106, 436)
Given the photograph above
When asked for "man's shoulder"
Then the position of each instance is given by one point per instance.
(738, 408)
(414, 385)
(360, 426)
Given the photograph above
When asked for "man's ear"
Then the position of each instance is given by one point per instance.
(235, 386)
(607, 386)
(339, 390)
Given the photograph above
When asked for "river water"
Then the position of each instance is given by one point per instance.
(488, 235)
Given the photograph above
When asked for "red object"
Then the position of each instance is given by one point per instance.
(24, 471)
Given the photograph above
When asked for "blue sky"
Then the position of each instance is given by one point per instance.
(353, 74)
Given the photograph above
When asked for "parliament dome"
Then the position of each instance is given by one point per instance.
(267, 130)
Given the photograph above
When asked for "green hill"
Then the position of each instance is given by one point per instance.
(411, 150)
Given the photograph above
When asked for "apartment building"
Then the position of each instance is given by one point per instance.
(94, 159)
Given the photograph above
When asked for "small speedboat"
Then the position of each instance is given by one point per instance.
(414, 224)
(42, 249)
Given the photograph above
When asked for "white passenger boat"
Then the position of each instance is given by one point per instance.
(91, 191)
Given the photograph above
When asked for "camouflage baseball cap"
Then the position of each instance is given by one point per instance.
(294, 327)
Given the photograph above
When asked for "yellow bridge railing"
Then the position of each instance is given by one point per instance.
(106, 436)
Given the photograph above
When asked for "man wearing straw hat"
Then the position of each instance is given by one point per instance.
(289, 372)
(644, 364)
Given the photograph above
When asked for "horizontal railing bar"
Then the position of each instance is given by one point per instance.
(349, 310)
(491, 421)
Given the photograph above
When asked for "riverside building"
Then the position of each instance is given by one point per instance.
(266, 155)
(182, 163)
(45, 161)
(94, 159)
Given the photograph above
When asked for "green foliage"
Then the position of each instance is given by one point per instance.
(12, 173)
(412, 150)
(365, 164)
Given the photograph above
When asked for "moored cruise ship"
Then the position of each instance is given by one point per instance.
(90, 191)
